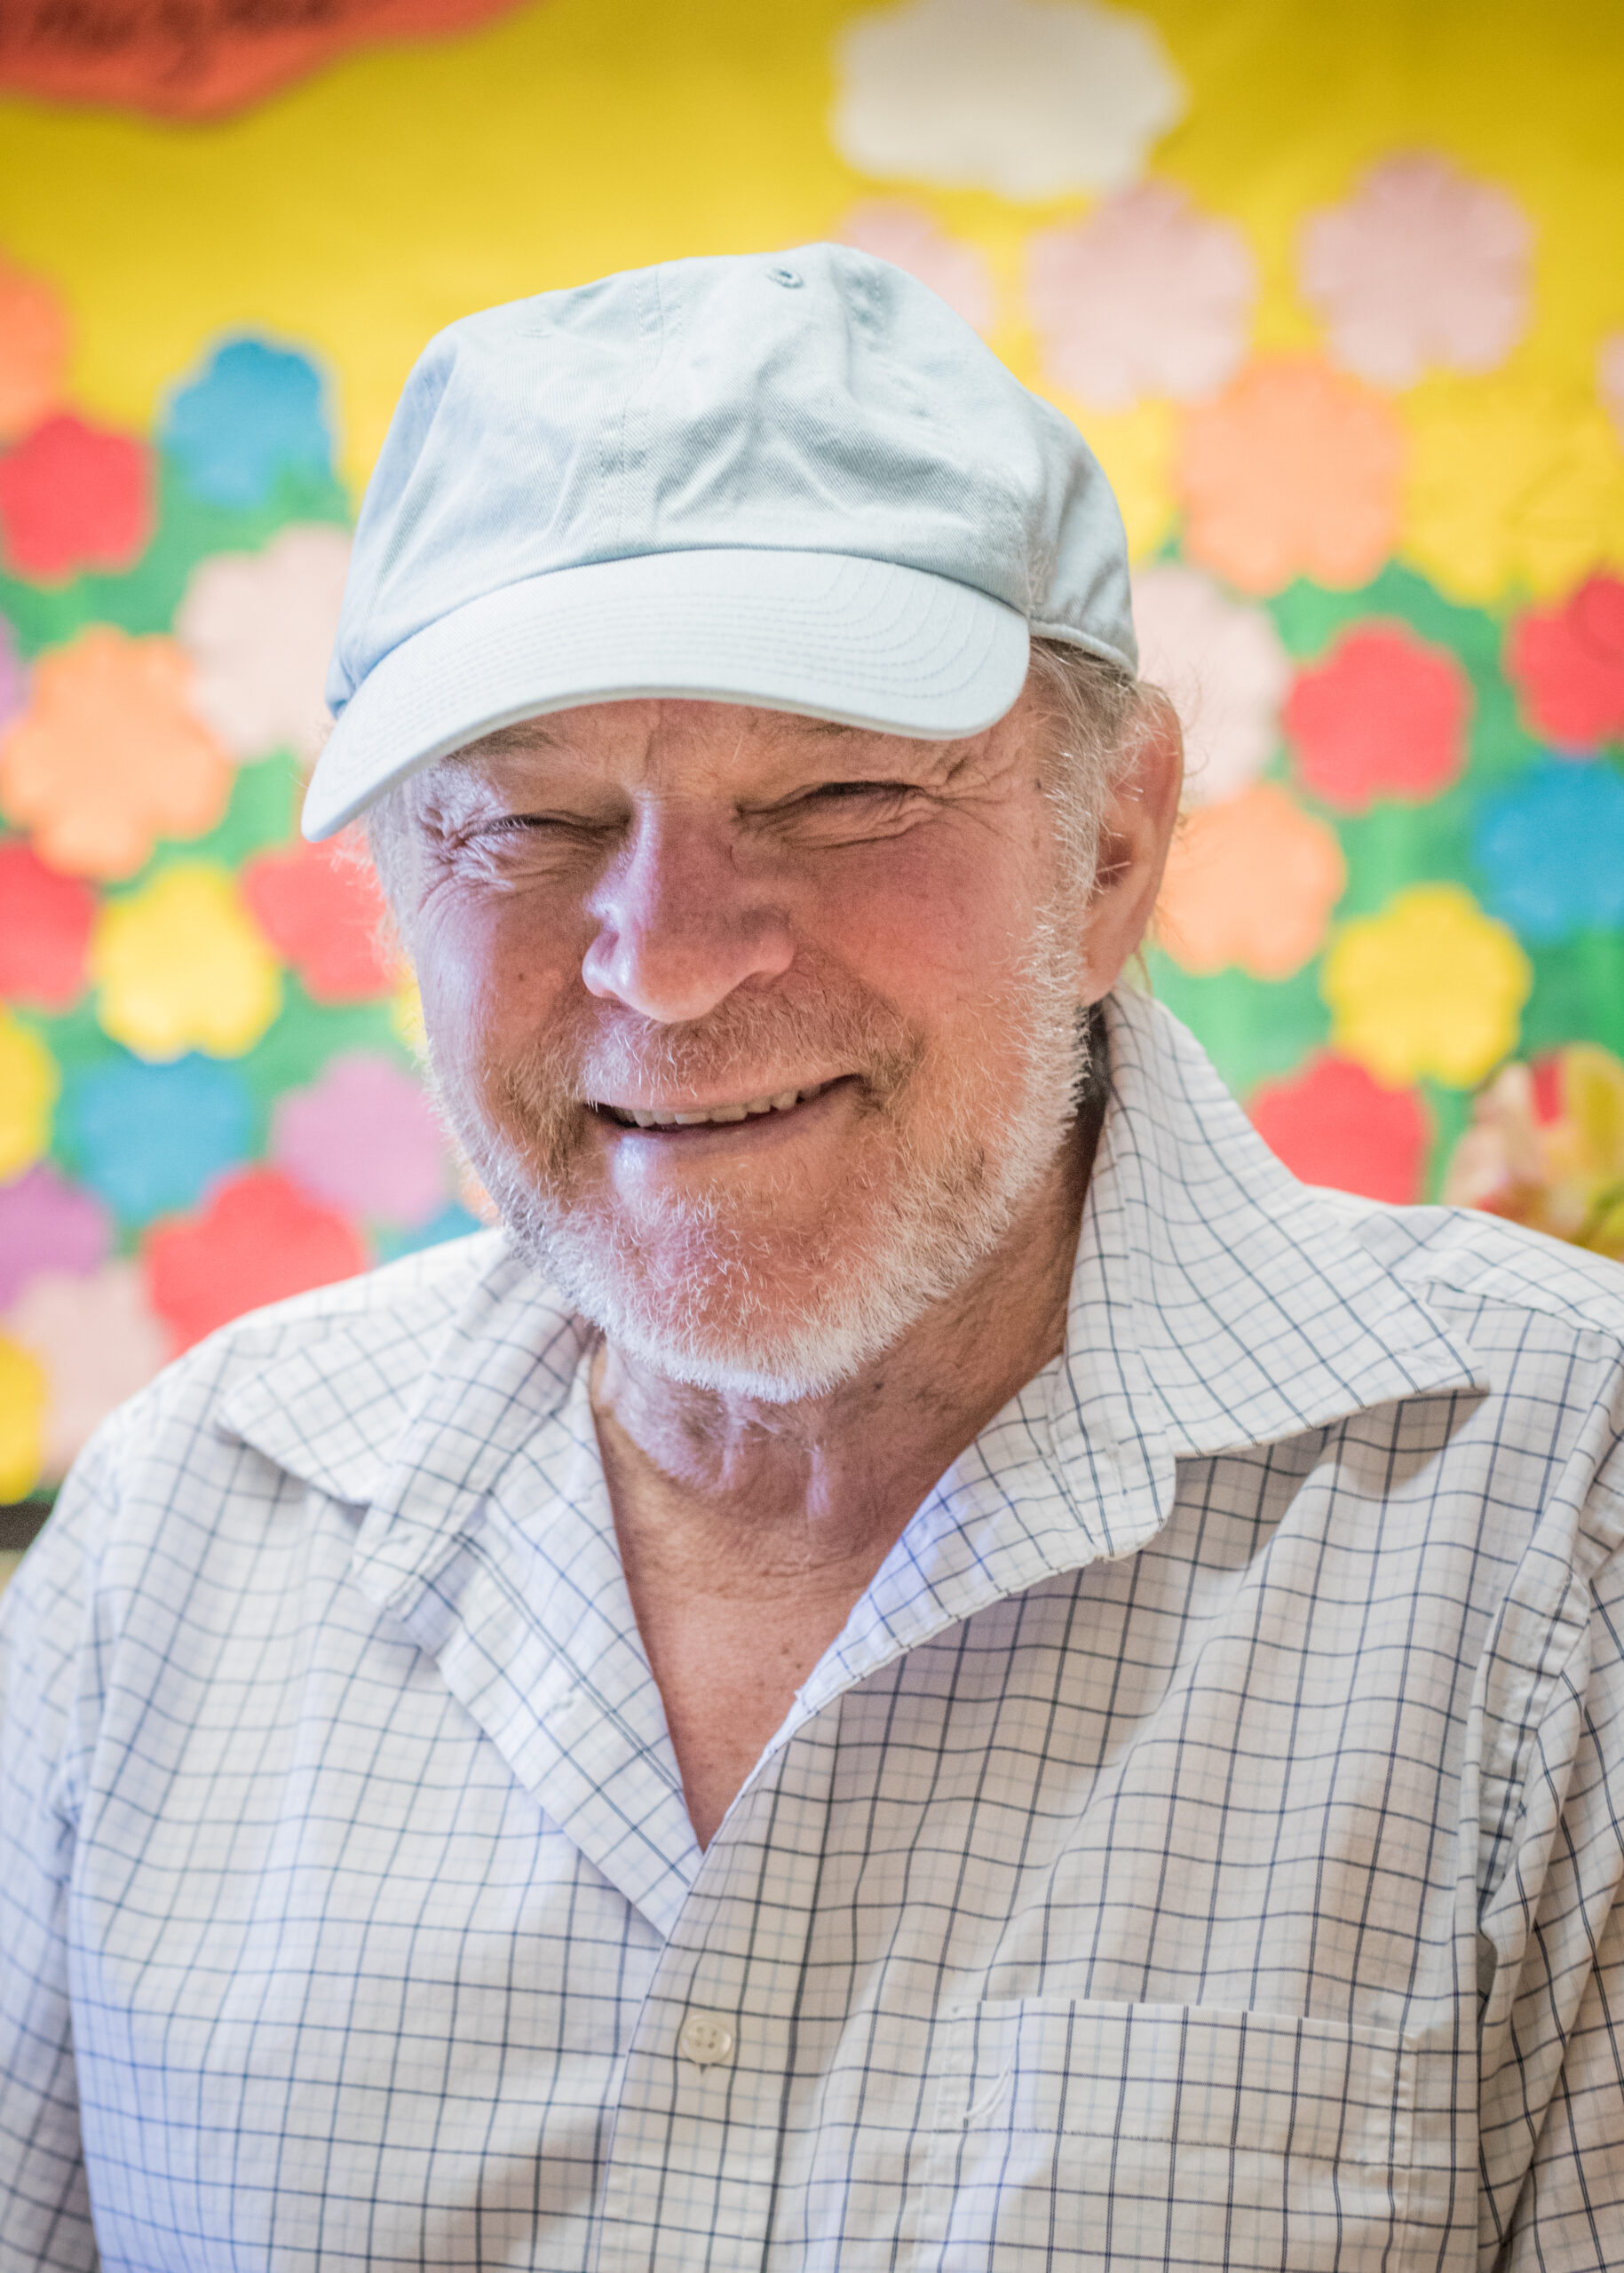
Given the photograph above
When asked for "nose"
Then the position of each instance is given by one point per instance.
(679, 926)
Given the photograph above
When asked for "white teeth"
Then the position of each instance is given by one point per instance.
(779, 1102)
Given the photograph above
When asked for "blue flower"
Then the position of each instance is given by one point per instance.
(255, 414)
(149, 1139)
(1551, 850)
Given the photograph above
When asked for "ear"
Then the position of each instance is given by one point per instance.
(1136, 829)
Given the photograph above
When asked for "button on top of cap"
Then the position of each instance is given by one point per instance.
(787, 277)
(706, 2038)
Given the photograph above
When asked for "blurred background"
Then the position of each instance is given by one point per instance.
(1336, 295)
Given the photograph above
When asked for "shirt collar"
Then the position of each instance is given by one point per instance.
(1217, 1303)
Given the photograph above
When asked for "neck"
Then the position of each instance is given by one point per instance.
(777, 1490)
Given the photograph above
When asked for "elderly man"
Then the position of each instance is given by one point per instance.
(926, 1661)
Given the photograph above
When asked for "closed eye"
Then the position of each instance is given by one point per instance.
(831, 792)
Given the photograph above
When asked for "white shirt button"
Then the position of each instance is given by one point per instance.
(706, 2038)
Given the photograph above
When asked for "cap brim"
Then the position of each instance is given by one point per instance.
(863, 642)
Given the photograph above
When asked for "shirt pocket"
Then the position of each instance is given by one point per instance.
(1124, 2135)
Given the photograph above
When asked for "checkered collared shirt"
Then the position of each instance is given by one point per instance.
(1199, 1850)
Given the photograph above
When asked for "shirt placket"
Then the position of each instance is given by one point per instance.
(693, 2168)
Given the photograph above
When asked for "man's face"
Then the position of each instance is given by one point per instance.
(858, 954)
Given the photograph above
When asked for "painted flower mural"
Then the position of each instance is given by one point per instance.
(1420, 266)
(1145, 297)
(109, 755)
(1384, 715)
(1222, 663)
(1294, 470)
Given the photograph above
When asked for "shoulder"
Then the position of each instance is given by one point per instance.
(321, 1385)
(1484, 1262)
(387, 1316)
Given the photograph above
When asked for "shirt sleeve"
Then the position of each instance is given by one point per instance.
(1553, 2112)
(44, 2201)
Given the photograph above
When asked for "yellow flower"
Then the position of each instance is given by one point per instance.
(1511, 485)
(22, 1419)
(28, 1084)
(183, 966)
(1429, 985)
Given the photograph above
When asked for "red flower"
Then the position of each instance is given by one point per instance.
(74, 498)
(259, 1238)
(321, 913)
(45, 924)
(1332, 1124)
(1568, 664)
(1383, 716)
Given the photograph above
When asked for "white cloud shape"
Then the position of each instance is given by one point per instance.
(258, 627)
(1222, 661)
(1031, 98)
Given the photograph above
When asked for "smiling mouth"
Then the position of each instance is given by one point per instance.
(662, 1119)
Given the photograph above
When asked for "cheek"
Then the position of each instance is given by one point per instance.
(491, 975)
(930, 921)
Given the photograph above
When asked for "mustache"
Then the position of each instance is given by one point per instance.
(750, 1045)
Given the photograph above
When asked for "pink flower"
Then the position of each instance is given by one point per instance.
(1420, 266)
(98, 1343)
(909, 238)
(1222, 661)
(1568, 666)
(1146, 296)
(364, 1140)
(259, 628)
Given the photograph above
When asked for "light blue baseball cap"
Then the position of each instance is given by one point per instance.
(793, 479)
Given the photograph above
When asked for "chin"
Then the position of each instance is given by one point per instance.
(742, 1313)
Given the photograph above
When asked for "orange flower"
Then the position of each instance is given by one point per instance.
(1250, 881)
(1293, 472)
(33, 349)
(108, 756)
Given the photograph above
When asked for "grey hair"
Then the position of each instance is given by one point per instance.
(1102, 716)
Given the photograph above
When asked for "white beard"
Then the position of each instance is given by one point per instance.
(741, 1308)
